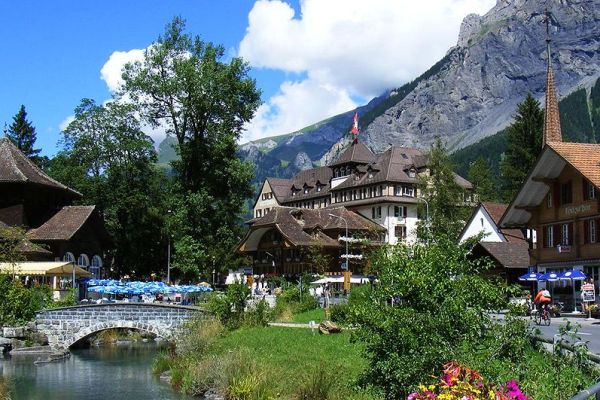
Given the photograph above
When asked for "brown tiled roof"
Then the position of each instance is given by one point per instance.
(356, 153)
(310, 177)
(16, 167)
(510, 255)
(31, 248)
(462, 182)
(280, 187)
(63, 225)
(583, 157)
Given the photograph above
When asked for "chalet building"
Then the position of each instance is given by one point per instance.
(380, 187)
(376, 193)
(560, 200)
(507, 248)
(284, 240)
(57, 230)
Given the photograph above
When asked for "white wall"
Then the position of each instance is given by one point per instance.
(389, 222)
(482, 223)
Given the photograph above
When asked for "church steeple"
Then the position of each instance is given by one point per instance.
(552, 130)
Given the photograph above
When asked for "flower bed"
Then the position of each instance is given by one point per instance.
(462, 383)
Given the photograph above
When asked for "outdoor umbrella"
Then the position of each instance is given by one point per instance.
(531, 277)
(573, 275)
(550, 277)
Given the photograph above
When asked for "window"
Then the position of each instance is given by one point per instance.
(376, 212)
(412, 173)
(258, 213)
(592, 231)
(380, 190)
(549, 236)
(69, 257)
(549, 200)
(83, 260)
(589, 191)
(319, 187)
(400, 211)
(370, 192)
(481, 222)
(408, 191)
(400, 232)
(397, 190)
(565, 230)
(566, 193)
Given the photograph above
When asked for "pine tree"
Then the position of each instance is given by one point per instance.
(22, 134)
(524, 144)
(480, 175)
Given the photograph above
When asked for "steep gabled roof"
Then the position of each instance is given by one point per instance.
(280, 187)
(63, 225)
(584, 157)
(509, 255)
(15, 167)
(357, 153)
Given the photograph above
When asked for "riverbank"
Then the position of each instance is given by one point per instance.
(265, 362)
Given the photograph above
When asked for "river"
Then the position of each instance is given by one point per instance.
(97, 373)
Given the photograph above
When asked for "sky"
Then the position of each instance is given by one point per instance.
(311, 59)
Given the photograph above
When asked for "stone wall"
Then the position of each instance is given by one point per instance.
(65, 326)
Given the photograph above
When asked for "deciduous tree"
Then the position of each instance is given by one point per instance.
(184, 86)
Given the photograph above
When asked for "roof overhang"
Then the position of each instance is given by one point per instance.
(51, 268)
(548, 166)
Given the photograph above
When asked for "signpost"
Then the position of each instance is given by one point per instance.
(588, 295)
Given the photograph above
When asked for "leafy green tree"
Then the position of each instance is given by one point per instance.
(480, 175)
(110, 160)
(22, 133)
(524, 144)
(183, 86)
(442, 193)
(429, 300)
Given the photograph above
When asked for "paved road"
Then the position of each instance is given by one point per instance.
(588, 331)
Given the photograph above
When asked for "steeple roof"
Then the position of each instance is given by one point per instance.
(552, 130)
(357, 153)
(15, 167)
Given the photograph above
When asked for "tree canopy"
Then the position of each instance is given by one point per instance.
(481, 176)
(184, 87)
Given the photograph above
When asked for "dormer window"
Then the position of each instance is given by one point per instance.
(305, 189)
(412, 173)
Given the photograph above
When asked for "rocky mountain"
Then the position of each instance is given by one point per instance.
(499, 57)
(470, 94)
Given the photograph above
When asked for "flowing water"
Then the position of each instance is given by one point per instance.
(97, 373)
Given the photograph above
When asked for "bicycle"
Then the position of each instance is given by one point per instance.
(542, 316)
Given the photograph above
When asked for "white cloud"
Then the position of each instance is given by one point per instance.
(113, 68)
(65, 122)
(294, 105)
(357, 47)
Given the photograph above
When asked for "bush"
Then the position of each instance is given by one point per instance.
(258, 315)
(443, 298)
(229, 308)
(339, 313)
(294, 301)
(317, 385)
(18, 303)
(197, 335)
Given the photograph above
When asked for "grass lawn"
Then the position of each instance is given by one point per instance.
(290, 353)
(317, 315)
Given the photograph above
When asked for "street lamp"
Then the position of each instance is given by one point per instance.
(346, 223)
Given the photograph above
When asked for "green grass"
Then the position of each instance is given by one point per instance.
(290, 353)
(317, 315)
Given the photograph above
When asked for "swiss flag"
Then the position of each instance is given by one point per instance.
(354, 129)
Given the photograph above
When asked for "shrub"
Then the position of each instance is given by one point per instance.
(443, 298)
(317, 385)
(229, 308)
(258, 315)
(162, 363)
(242, 378)
(18, 303)
(339, 313)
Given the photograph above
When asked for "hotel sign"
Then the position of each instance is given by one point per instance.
(574, 210)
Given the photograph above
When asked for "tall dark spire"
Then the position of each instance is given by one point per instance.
(552, 130)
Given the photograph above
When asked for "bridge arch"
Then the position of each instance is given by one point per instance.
(65, 326)
(99, 327)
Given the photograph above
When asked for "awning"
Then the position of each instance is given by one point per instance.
(50, 268)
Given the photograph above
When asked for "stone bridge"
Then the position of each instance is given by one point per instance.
(67, 325)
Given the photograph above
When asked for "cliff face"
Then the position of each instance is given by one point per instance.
(499, 58)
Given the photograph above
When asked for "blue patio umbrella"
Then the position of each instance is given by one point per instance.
(531, 277)
(573, 275)
(550, 277)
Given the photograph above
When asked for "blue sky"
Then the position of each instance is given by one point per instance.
(311, 59)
